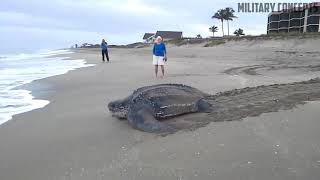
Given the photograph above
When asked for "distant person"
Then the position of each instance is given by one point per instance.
(159, 55)
(104, 50)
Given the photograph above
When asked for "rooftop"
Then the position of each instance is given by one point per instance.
(148, 35)
(169, 34)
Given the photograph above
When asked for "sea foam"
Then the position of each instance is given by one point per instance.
(17, 70)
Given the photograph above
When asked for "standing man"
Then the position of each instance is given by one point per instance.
(159, 55)
(104, 50)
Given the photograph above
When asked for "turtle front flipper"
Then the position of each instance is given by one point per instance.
(141, 117)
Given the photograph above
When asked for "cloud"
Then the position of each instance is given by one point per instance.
(65, 22)
(136, 7)
(27, 20)
(195, 29)
(30, 38)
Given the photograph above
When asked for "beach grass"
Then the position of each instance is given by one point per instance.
(214, 43)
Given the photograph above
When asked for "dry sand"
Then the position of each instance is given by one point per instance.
(75, 137)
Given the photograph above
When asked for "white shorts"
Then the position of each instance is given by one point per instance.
(158, 60)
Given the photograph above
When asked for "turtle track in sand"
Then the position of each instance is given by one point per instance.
(300, 61)
(254, 69)
(238, 104)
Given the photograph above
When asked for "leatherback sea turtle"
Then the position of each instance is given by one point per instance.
(147, 106)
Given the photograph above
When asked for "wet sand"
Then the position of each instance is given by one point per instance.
(75, 137)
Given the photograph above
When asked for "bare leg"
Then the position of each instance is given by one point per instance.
(156, 70)
(162, 70)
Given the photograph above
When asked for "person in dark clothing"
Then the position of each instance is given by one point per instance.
(104, 50)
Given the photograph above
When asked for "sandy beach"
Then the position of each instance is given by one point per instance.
(76, 138)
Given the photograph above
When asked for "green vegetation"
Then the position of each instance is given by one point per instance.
(229, 15)
(275, 36)
(186, 41)
(239, 32)
(212, 43)
(220, 15)
(213, 29)
(226, 14)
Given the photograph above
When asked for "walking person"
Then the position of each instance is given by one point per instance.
(104, 50)
(159, 55)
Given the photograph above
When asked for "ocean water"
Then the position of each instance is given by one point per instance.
(17, 70)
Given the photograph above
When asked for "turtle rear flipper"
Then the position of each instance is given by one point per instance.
(141, 117)
(203, 106)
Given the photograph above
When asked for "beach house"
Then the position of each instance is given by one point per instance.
(303, 19)
(169, 35)
(166, 35)
(148, 37)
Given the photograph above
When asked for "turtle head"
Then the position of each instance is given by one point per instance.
(119, 108)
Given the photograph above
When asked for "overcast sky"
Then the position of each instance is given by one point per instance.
(44, 24)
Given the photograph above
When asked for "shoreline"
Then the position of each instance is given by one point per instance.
(26, 89)
(75, 137)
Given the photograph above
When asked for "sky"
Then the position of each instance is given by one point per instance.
(27, 25)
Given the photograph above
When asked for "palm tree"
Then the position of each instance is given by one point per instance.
(199, 36)
(220, 15)
(213, 29)
(229, 15)
(239, 32)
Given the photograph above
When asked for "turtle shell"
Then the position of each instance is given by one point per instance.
(168, 100)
